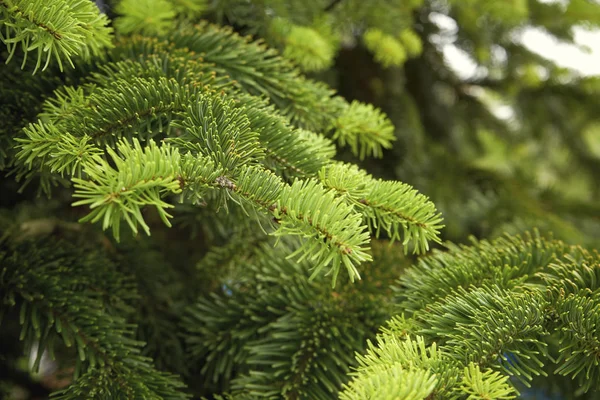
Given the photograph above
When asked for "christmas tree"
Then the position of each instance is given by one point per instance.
(235, 199)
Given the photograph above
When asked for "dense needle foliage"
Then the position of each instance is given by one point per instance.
(283, 199)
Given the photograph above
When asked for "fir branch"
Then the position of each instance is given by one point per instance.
(333, 231)
(500, 306)
(391, 205)
(65, 100)
(217, 331)
(437, 275)
(76, 121)
(579, 327)
(274, 349)
(161, 287)
(139, 177)
(197, 176)
(145, 16)
(348, 180)
(57, 29)
(393, 383)
(308, 48)
(302, 156)
(365, 129)
(386, 205)
(174, 64)
(302, 345)
(219, 327)
(213, 127)
(294, 152)
(387, 50)
(257, 186)
(509, 332)
(22, 97)
(133, 105)
(261, 71)
(395, 368)
(46, 146)
(485, 385)
(574, 288)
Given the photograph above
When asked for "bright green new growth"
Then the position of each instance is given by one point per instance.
(306, 207)
(392, 383)
(412, 42)
(394, 369)
(485, 385)
(135, 178)
(365, 129)
(386, 49)
(56, 29)
(144, 16)
(154, 16)
(335, 25)
(308, 49)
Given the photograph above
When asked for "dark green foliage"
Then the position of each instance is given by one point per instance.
(278, 333)
(74, 298)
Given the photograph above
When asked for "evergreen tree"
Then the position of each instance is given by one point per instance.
(186, 213)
